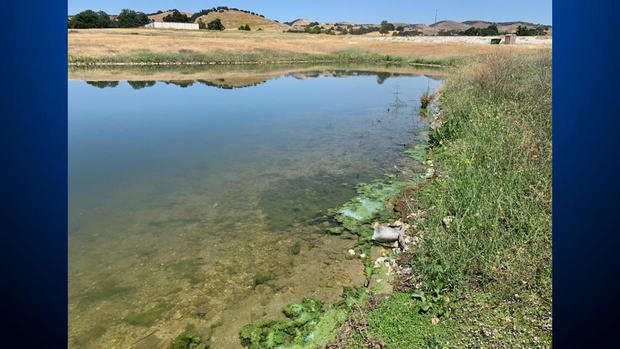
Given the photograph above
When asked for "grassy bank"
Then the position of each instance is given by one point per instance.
(483, 267)
(264, 57)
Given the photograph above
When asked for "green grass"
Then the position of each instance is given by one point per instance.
(488, 271)
(448, 62)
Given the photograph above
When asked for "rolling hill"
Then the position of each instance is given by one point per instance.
(232, 19)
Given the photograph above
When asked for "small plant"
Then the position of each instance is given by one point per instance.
(189, 339)
(426, 99)
(426, 304)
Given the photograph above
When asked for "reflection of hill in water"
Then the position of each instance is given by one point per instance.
(240, 78)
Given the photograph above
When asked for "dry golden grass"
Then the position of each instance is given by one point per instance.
(119, 42)
(233, 19)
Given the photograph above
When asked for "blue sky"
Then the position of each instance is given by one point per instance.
(360, 11)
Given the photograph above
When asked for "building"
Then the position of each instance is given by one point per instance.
(510, 39)
(172, 25)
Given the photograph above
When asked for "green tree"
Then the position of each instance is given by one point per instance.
(105, 21)
(201, 24)
(131, 19)
(386, 27)
(215, 24)
(245, 27)
(523, 31)
(85, 19)
(176, 17)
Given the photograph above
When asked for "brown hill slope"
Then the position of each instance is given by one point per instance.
(160, 16)
(232, 19)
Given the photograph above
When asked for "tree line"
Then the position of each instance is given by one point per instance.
(131, 19)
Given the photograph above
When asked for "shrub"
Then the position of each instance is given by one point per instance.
(245, 27)
(426, 99)
(215, 24)
(201, 24)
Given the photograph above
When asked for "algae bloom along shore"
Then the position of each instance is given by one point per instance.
(201, 199)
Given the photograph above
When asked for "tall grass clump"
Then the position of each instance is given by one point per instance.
(488, 225)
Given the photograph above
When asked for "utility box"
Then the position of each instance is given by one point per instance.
(510, 39)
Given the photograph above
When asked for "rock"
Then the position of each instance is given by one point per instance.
(177, 315)
(201, 311)
(385, 233)
(447, 220)
(351, 252)
(434, 321)
(363, 255)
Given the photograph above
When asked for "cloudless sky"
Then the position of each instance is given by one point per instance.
(358, 11)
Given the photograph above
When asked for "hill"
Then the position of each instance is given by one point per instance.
(159, 17)
(232, 19)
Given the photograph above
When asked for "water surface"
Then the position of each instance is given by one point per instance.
(204, 202)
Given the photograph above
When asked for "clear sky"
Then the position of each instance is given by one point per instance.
(359, 11)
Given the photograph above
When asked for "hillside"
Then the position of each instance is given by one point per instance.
(160, 16)
(232, 19)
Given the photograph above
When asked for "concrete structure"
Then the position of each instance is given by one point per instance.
(510, 39)
(172, 25)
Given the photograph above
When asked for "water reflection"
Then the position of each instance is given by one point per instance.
(222, 82)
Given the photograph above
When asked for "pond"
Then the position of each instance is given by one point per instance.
(203, 198)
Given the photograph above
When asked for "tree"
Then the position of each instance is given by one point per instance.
(215, 24)
(386, 27)
(91, 19)
(105, 21)
(201, 24)
(131, 19)
(490, 31)
(85, 19)
(176, 17)
(245, 27)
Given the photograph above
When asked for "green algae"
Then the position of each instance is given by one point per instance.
(417, 152)
(189, 339)
(188, 269)
(307, 327)
(105, 291)
(371, 203)
(148, 317)
(304, 199)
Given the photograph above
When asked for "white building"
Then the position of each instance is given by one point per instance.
(172, 25)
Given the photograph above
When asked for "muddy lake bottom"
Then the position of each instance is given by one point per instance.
(206, 204)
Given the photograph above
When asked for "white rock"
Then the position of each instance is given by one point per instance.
(384, 233)
(351, 252)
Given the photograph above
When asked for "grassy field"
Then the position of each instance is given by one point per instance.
(484, 261)
(160, 45)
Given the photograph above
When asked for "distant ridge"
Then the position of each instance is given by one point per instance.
(233, 18)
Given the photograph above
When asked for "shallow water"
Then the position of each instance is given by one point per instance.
(191, 203)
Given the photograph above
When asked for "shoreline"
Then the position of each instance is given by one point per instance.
(459, 259)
